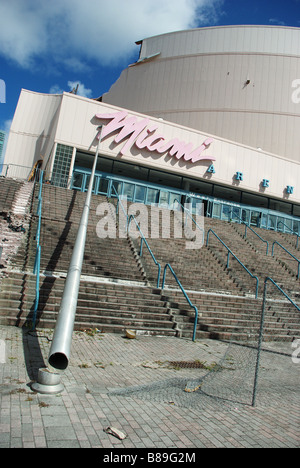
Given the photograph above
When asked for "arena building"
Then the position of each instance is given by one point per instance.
(207, 115)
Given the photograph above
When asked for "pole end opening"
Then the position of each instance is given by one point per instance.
(58, 361)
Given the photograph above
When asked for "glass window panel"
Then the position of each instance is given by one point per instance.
(152, 195)
(172, 199)
(116, 187)
(255, 218)
(235, 214)
(77, 180)
(140, 193)
(61, 166)
(164, 198)
(288, 225)
(128, 190)
(226, 212)
(264, 219)
(197, 206)
(216, 210)
(296, 226)
(245, 216)
(103, 186)
(87, 182)
(280, 224)
(272, 222)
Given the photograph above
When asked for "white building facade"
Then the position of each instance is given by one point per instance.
(158, 154)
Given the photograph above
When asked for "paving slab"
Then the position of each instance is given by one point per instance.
(130, 385)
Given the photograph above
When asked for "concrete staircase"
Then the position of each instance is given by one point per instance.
(106, 306)
(252, 253)
(15, 201)
(118, 288)
(233, 318)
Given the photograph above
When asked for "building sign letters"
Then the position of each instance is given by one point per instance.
(144, 135)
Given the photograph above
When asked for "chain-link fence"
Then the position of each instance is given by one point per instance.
(261, 369)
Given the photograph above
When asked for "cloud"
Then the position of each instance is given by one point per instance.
(76, 33)
(81, 91)
(277, 22)
(56, 89)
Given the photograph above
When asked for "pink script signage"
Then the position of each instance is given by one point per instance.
(146, 136)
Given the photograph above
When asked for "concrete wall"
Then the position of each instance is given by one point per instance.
(70, 120)
(241, 83)
(33, 128)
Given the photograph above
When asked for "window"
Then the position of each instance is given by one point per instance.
(103, 186)
(77, 180)
(255, 219)
(61, 166)
(235, 214)
(87, 182)
(245, 216)
(226, 212)
(272, 222)
(128, 191)
(116, 188)
(296, 225)
(164, 198)
(216, 211)
(140, 193)
(152, 195)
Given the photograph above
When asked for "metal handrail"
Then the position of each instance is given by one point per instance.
(185, 210)
(282, 292)
(254, 232)
(37, 262)
(263, 240)
(228, 256)
(292, 231)
(168, 266)
(261, 331)
(287, 251)
(143, 240)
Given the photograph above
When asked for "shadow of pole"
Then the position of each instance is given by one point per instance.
(33, 355)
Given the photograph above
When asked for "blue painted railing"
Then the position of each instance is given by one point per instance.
(247, 226)
(292, 231)
(188, 214)
(238, 260)
(287, 251)
(144, 241)
(37, 263)
(168, 266)
(254, 232)
(282, 292)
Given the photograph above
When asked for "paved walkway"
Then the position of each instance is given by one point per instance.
(162, 415)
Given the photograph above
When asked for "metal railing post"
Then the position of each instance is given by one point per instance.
(261, 330)
(234, 256)
(37, 262)
(185, 295)
(288, 252)
(62, 338)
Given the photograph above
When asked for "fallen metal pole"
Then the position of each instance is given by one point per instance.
(62, 338)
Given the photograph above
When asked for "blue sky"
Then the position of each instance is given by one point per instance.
(50, 46)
